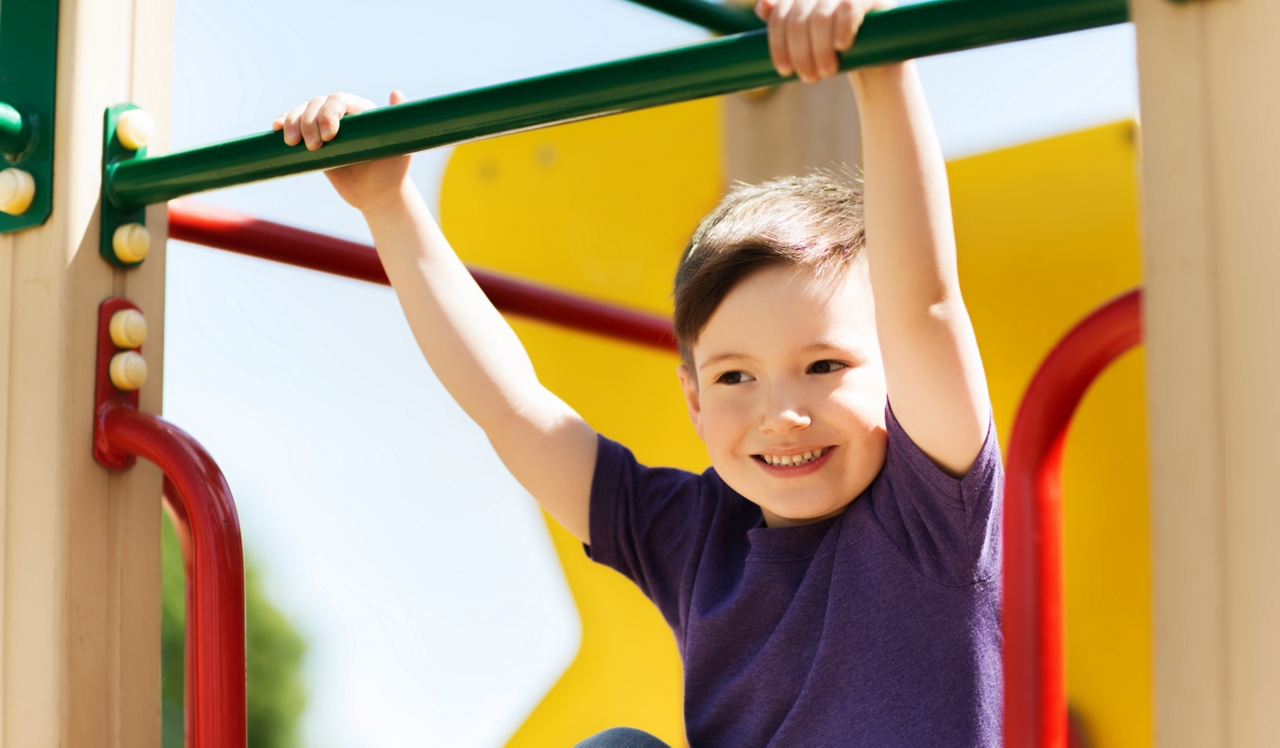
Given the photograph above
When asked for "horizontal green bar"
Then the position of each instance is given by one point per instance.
(722, 19)
(13, 133)
(709, 68)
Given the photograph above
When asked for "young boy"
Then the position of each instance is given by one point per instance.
(834, 579)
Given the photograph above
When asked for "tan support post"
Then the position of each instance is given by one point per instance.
(80, 568)
(1212, 237)
(790, 130)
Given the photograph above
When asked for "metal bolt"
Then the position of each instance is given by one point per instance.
(17, 188)
(128, 328)
(128, 370)
(131, 242)
(134, 129)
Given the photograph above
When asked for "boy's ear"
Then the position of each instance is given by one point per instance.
(689, 383)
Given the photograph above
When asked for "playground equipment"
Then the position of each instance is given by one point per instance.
(1034, 621)
(130, 181)
(204, 515)
(720, 66)
(76, 617)
(220, 228)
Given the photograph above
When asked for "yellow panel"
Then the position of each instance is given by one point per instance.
(602, 208)
(627, 671)
(1047, 232)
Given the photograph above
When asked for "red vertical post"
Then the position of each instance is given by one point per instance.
(1034, 622)
(215, 698)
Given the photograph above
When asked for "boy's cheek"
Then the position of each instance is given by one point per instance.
(724, 417)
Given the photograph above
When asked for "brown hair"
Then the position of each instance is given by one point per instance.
(813, 221)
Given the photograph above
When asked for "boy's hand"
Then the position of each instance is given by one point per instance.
(316, 122)
(806, 36)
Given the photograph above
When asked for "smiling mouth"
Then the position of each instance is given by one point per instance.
(803, 458)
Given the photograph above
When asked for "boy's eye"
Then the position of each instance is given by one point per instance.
(733, 377)
(825, 367)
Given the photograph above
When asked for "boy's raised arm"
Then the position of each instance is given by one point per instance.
(470, 347)
(932, 366)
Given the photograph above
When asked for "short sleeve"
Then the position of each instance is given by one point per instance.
(947, 527)
(643, 522)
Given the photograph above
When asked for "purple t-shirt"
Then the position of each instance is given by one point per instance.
(879, 627)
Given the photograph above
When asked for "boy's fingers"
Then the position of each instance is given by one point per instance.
(846, 25)
(778, 39)
(329, 114)
(307, 124)
(397, 97)
(317, 120)
(822, 42)
(292, 134)
(799, 48)
(765, 8)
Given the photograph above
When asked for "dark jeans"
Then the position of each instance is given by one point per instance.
(622, 737)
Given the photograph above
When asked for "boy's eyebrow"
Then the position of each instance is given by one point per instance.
(821, 344)
(721, 357)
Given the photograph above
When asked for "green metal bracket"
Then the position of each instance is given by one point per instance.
(112, 215)
(722, 19)
(28, 79)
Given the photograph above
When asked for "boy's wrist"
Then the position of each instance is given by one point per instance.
(868, 82)
(394, 201)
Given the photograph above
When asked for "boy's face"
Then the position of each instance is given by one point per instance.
(789, 393)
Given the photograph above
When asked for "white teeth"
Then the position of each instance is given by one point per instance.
(793, 460)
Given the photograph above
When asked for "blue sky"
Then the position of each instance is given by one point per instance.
(418, 570)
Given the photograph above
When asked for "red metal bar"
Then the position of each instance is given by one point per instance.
(205, 516)
(182, 528)
(220, 228)
(1034, 666)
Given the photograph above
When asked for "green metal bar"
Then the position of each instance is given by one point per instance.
(710, 68)
(13, 130)
(722, 19)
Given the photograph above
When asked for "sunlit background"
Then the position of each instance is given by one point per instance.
(417, 572)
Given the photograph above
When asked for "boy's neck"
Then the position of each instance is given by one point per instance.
(774, 520)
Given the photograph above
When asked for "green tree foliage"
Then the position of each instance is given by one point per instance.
(273, 650)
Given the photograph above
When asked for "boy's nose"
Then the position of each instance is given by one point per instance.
(782, 415)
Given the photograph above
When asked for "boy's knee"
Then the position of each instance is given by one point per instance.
(622, 737)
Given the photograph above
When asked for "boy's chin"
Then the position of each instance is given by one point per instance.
(793, 516)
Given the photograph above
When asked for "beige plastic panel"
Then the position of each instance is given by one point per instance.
(1210, 156)
(790, 129)
(80, 613)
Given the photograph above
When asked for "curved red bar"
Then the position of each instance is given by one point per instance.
(205, 516)
(1034, 667)
(220, 228)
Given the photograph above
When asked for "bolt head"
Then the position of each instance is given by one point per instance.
(135, 128)
(128, 328)
(128, 370)
(17, 189)
(131, 242)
